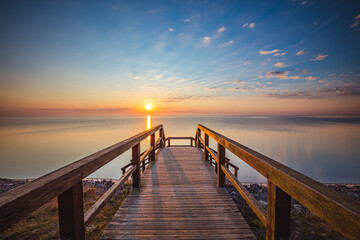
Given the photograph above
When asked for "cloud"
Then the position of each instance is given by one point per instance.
(180, 34)
(318, 92)
(222, 29)
(155, 10)
(300, 52)
(136, 77)
(279, 54)
(228, 43)
(187, 20)
(249, 25)
(265, 52)
(310, 78)
(239, 82)
(170, 29)
(205, 40)
(303, 3)
(319, 57)
(357, 20)
(304, 71)
(279, 64)
(280, 75)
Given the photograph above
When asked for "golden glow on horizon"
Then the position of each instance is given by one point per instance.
(148, 106)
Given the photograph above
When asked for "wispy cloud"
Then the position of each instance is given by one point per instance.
(239, 82)
(280, 75)
(310, 78)
(318, 92)
(300, 52)
(265, 52)
(279, 64)
(319, 57)
(357, 20)
(205, 40)
(279, 54)
(155, 10)
(222, 29)
(170, 29)
(228, 43)
(304, 71)
(249, 25)
(187, 20)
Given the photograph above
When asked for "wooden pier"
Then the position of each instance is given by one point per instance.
(178, 199)
(177, 195)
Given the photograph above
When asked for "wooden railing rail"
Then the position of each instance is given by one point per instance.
(210, 155)
(284, 183)
(180, 138)
(66, 184)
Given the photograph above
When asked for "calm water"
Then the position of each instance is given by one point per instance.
(326, 149)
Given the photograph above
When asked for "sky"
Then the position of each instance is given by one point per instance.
(73, 58)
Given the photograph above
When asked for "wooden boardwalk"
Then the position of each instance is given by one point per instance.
(178, 199)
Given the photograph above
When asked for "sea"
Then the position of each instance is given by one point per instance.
(326, 149)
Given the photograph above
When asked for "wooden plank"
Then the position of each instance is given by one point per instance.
(71, 213)
(178, 199)
(255, 206)
(340, 211)
(278, 213)
(152, 144)
(19, 202)
(94, 209)
(136, 165)
(206, 152)
(221, 161)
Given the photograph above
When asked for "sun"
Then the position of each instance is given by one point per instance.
(148, 106)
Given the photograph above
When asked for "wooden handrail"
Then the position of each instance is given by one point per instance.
(94, 209)
(340, 211)
(255, 206)
(66, 183)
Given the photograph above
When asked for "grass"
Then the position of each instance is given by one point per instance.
(43, 223)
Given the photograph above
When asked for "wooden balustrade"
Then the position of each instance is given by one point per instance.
(284, 183)
(180, 138)
(66, 184)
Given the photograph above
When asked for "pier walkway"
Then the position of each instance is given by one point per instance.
(177, 194)
(178, 199)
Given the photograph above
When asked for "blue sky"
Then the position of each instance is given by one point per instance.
(182, 55)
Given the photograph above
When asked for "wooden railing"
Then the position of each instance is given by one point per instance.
(66, 184)
(284, 183)
(180, 138)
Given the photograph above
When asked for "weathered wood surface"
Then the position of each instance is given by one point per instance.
(340, 211)
(178, 199)
(21, 201)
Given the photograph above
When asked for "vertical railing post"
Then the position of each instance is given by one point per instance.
(191, 142)
(136, 162)
(206, 152)
(221, 161)
(162, 137)
(71, 213)
(152, 142)
(168, 142)
(278, 213)
(198, 134)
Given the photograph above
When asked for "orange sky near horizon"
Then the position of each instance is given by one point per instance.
(55, 105)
